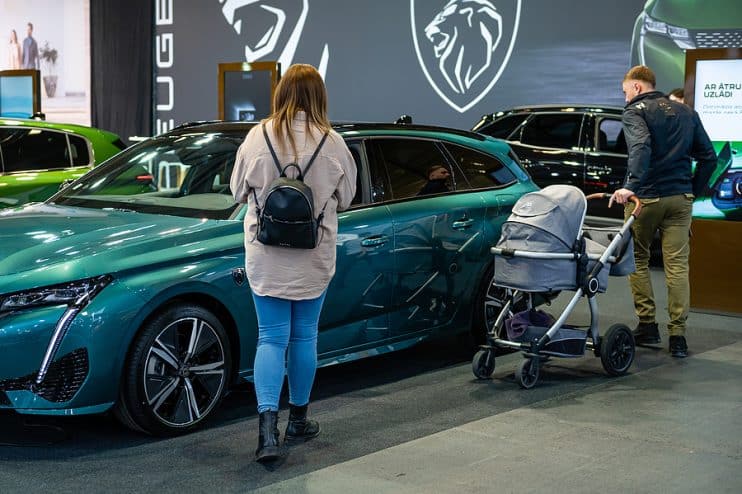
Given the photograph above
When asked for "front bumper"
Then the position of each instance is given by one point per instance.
(83, 375)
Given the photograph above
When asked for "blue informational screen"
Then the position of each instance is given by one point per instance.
(16, 96)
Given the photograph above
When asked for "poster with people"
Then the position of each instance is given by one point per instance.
(52, 36)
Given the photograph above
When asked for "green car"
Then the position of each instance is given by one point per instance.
(36, 157)
(666, 28)
(126, 289)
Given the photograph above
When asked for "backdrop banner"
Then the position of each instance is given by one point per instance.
(444, 62)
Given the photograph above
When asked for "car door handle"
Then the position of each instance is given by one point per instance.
(462, 224)
(601, 169)
(374, 241)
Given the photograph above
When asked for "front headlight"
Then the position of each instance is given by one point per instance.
(679, 35)
(73, 294)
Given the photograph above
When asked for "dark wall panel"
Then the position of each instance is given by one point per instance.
(121, 79)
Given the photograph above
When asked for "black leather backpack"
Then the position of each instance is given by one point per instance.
(287, 217)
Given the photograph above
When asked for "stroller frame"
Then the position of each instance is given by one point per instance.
(616, 349)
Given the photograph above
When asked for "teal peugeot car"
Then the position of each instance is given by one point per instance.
(36, 157)
(666, 28)
(126, 289)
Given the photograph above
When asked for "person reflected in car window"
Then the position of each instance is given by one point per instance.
(437, 177)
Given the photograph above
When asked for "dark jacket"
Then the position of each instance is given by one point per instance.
(663, 137)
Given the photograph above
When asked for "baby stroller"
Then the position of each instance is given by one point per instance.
(544, 248)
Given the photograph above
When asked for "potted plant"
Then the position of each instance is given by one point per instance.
(49, 57)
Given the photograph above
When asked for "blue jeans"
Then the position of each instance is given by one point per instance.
(285, 324)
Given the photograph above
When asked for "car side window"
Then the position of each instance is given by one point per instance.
(503, 127)
(355, 151)
(79, 151)
(27, 149)
(415, 167)
(610, 136)
(481, 170)
(553, 130)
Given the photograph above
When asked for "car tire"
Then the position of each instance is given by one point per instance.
(176, 373)
(487, 306)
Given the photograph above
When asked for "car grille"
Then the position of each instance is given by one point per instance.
(727, 38)
(62, 381)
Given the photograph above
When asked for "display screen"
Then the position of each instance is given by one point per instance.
(718, 98)
(247, 95)
(16, 96)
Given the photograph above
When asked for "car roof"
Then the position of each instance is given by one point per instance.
(339, 127)
(565, 107)
(62, 127)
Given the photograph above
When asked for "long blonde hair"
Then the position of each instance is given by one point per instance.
(300, 89)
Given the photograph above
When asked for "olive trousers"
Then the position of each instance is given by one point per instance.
(670, 215)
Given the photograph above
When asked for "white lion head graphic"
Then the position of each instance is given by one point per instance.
(267, 22)
(464, 35)
(463, 46)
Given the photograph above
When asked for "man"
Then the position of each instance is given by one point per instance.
(437, 177)
(30, 50)
(677, 94)
(662, 136)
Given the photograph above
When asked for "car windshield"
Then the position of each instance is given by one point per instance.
(184, 175)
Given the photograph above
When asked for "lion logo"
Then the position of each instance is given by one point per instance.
(464, 46)
(270, 28)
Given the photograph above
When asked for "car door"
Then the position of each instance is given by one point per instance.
(549, 147)
(434, 234)
(605, 162)
(355, 313)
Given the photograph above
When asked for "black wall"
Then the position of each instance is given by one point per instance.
(121, 40)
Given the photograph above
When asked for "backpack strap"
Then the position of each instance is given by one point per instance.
(273, 151)
(282, 171)
(316, 152)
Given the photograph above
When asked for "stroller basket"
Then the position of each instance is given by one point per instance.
(566, 342)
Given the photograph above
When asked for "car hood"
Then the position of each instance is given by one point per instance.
(697, 14)
(42, 244)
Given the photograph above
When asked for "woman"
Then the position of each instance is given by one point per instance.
(14, 52)
(289, 285)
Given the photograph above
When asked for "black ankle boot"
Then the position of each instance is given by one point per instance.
(268, 449)
(647, 333)
(299, 428)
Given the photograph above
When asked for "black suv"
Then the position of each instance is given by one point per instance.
(579, 145)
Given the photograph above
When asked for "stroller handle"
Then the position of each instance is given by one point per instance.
(606, 195)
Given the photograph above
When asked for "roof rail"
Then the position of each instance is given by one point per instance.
(194, 123)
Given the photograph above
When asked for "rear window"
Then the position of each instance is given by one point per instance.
(28, 149)
(553, 130)
(481, 170)
(503, 127)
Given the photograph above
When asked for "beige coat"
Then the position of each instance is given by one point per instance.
(294, 274)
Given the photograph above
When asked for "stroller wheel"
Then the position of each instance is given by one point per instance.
(527, 373)
(483, 364)
(617, 350)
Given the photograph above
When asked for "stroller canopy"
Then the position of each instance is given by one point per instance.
(543, 220)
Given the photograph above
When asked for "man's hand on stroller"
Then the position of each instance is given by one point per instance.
(621, 196)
